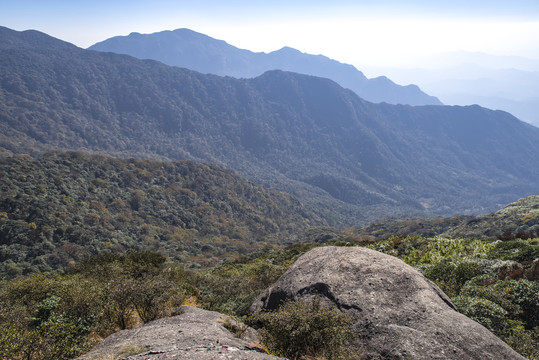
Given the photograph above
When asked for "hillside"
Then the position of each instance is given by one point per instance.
(519, 219)
(63, 207)
(199, 52)
(347, 159)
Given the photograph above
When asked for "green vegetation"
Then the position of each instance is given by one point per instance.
(518, 220)
(63, 207)
(232, 288)
(300, 330)
(105, 293)
(348, 159)
(90, 245)
(494, 283)
(62, 316)
(112, 291)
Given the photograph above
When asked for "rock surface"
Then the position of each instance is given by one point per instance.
(195, 334)
(398, 313)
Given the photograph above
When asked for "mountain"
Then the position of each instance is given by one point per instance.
(30, 39)
(63, 207)
(345, 158)
(505, 83)
(199, 52)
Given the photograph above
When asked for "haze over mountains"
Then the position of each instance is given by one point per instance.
(462, 78)
(199, 52)
(348, 159)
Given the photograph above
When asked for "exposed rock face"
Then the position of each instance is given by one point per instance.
(399, 313)
(195, 334)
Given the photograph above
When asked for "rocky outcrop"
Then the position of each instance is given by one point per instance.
(195, 334)
(398, 313)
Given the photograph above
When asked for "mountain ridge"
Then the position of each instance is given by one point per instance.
(199, 52)
(30, 39)
(350, 159)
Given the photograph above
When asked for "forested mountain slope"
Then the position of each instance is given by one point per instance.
(345, 158)
(520, 219)
(64, 207)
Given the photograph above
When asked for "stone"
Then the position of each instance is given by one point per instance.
(196, 334)
(398, 313)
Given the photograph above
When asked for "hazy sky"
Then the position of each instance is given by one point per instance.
(357, 32)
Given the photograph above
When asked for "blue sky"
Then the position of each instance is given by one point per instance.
(359, 32)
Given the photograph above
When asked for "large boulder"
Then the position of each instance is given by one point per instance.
(398, 313)
(195, 334)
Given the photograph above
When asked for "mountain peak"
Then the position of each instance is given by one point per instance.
(30, 39)
(288, 49)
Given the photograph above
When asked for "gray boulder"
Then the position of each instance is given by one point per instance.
(195, 334)
(398, 313)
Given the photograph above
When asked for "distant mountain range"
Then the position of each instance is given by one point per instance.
(195, 51)
(497, 82)
(345, 158)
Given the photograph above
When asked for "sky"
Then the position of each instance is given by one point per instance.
(363, 32)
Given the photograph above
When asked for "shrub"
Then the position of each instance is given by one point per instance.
(487, 313)
(524, 294)
(152, 296)
(52, 317)
(451, 276)
(300, 328)
(48, 335)
(518, 250)
(232, 288)
(522, 340)
(520, 298)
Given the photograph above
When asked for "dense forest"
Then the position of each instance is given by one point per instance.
(343, 157)
(63, 207)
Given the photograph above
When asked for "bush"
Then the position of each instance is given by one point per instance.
(153, 295)
(524, 294)
(48, 335)
(232, 288)
(451, 276)
(487, 313)
(518, 250)
(299, 329)
(522, 340)
(520, 298)
(137, 282)
(52, 317)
